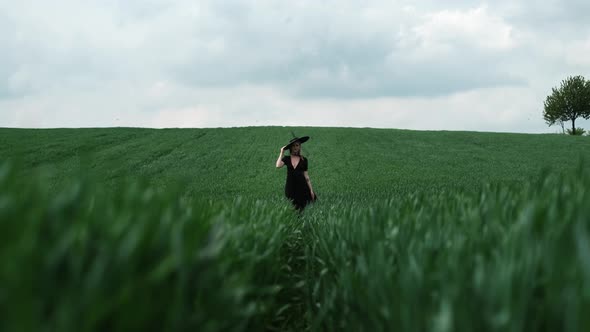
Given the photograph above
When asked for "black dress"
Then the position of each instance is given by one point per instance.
(296, 188)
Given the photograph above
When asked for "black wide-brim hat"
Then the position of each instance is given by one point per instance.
(297, 139)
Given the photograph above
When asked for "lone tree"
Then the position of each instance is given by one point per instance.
(569, 102)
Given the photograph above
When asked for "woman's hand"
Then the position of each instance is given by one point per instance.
(280, 162)
(312, 196)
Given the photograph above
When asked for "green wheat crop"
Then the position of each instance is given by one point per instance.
(187, 229)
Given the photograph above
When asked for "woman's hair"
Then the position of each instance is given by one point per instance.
(300, 148)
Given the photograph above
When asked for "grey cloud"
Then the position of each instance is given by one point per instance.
(363, 63)
(433, 83)
(232, 43)
(141, 9)
(552, 13)
(41, 53)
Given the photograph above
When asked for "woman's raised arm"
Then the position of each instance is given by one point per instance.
(280, 162)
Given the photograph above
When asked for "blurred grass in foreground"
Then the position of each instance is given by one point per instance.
(505, 258)
(502, 258)
(141, 259)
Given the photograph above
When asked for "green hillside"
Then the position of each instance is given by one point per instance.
(187, 229)
(223, 163)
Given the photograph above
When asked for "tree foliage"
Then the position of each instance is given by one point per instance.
(568, 102)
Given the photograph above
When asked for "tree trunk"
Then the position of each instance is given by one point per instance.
(574, 127)
(562, 127)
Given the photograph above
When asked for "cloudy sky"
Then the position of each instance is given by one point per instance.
(421, 64)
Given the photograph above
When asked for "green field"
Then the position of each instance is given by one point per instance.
(187, 229)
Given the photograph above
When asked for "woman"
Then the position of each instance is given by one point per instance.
(298, 188)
